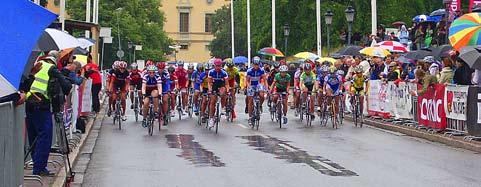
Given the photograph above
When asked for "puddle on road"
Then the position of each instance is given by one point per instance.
(193, 151)
(282, 150)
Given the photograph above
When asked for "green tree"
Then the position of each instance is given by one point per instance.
(301, 16)
(140, 21)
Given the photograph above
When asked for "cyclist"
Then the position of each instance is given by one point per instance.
(357, 85)
(182, 84)
(173, 88)
(151, 86)
(270, 78)
(297, 90)
(165, 79)
(281, 84)
(217, 83)
(255, 79)
(120, 82)
(307, 85)
(190, 73)
(332, 87)
(110, 74)
(321, 75)
(203, 81)
(196, 85)
(232, 80)
(135, 82)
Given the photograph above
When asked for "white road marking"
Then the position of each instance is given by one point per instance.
(243, 126)
(327, 166)
(287, 147)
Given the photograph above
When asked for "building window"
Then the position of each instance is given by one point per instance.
(185, 47)
(208, 23)
(184, 22)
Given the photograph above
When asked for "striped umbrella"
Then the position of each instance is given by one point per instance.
(269, 51)
(375, 51)
(393, 46)
(465, 31)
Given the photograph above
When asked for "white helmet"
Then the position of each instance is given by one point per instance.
(283, 68)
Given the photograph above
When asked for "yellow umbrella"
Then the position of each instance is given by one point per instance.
(327, 59)
(306, 55)
(375, 51)
(82, 59)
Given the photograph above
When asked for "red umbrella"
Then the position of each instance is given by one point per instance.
(398, 23)
(393, 46)
(269, 51)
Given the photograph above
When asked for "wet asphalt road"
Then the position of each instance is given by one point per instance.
(183, 154)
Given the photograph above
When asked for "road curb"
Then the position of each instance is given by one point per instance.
(453, 141)
(60, 178)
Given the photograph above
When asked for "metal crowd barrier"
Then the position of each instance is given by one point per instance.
(11, 144)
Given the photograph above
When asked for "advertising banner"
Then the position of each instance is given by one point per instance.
(456, 102)
(431, 111)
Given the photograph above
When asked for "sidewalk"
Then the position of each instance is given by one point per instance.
(454, 141)
(58, 166)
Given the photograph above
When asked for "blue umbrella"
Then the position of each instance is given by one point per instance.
(23, 22)
(426, 18)
(240, 60)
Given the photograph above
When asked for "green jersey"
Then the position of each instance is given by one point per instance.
(308, 80)
(281, 82)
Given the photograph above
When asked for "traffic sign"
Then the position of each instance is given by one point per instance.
(120, 53)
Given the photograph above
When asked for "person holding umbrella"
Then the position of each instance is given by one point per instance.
(403, 35)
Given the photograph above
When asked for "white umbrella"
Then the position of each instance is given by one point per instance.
(86, 42)
(53, 39)
(7, 88)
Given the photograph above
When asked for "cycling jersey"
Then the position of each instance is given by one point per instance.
(135, 77)
(182, 77)
(120, 78)
(271, 77)
(358, 81)
(218, 77)
(193, 78)
(308, 79)
(202, 80)
(255, 75)
(172, 79)
(297, 76)
(333, 82)
(282, 82)
(151, 83)
(232, 74)
(165, 79)
(321, 78)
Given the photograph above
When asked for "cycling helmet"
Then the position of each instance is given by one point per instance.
(122, 64)
(115, 65)
(200, 67)
(180, 63)
(149, 63)
(358, 69)
(151, 68)
(217, 62)
(307, 66)
(171, 69)
(276, 64)
(134, 65)
(256, 59)
(229, 63)
(340, 72)
(283, 68)
(190, 66)
(209, 66)
(161, 65)
(324, 69)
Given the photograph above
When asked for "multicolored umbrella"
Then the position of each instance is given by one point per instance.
(375, 51)
(307, 55)
(269, 51)
(393, 46)
(465, 31)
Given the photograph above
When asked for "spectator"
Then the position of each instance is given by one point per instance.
(425, 80)
(393, 73)
(434, 70)
(40, 97)
(462, 74)
(92, 71)
(403, 35)
(70, 72)
(447, 72)
(377, 69)
(419, 37)
(428, 38)
(393, 37)
(441, 32)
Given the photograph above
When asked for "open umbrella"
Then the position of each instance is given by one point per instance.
(22, 24)
(398, 23)
(269, 51)
(393, 46)
(85, 42)
(375, 51)
(465, 31)
(472, 56)
(440, 51)
(240, 60)
(420, 18)
(405, 60)
(418, 54)
(307, 55)
(348, 51)
(438, 12)
(53, 39)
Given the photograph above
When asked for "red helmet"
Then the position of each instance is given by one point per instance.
(123, 65)
(149, 63)
(217, 62)
(161, 65)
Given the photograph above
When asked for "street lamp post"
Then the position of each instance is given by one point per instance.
(287, 29)
(350, 18)
(118, 29)
(446, 5)
(130, 45)
(328, 19)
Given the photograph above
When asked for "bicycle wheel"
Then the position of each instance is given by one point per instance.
(354, 112)
(333, 116)
(190, 108)
(200, 114)
(359, 111)
(217, 120)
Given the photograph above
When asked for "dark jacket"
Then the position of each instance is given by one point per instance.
(376, 71)
(462, 75)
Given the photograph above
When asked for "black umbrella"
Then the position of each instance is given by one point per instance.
(349, 51)
(472, 56)
(405, 60)
(438, 12)
(441, 51)
(418, 54)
